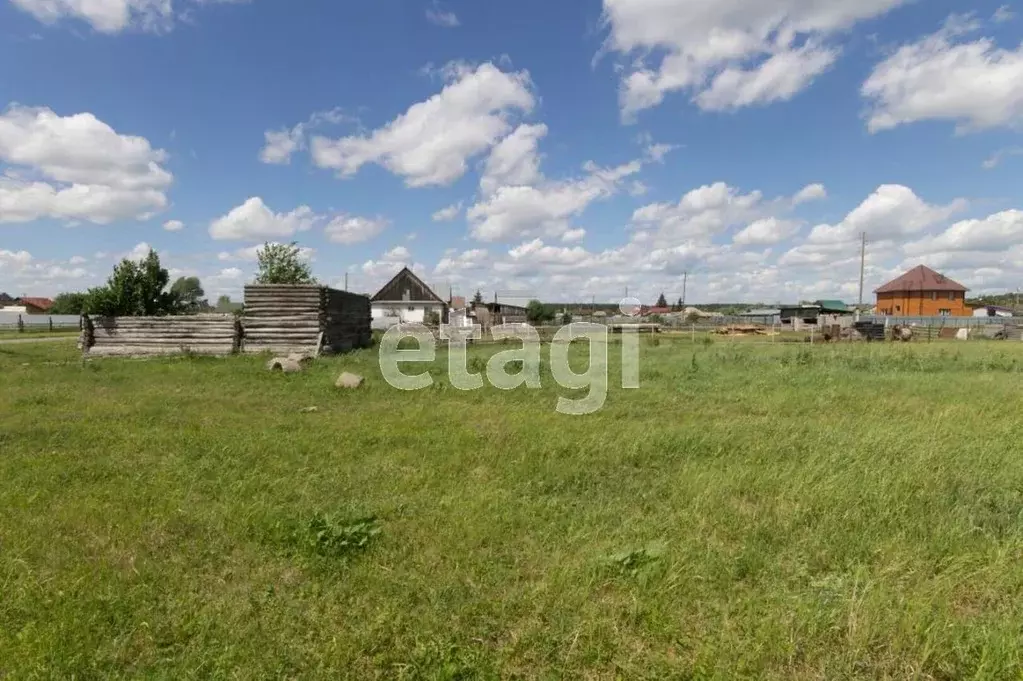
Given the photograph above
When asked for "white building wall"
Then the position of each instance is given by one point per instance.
(410, 312)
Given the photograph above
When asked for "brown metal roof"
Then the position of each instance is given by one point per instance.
(43, 304)
(921, 278)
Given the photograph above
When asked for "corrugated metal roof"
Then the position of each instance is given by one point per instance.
(921, 278)
(832, 306)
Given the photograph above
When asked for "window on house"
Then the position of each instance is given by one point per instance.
(898, 308)
(934, 295)
(951, 295)
(411, 308)
(944, 312)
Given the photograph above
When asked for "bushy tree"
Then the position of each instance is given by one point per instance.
(135, 289)
(189, 293)
(538, 313)
(69, 303)
(283, 264)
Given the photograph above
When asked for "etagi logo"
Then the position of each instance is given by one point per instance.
(526, 358)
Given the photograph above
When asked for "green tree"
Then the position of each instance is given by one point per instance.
(223, 301)
(190, 294)
(135, 289)
(538, 313)
(478, 298)
(662, 301)
(679, 306)
(282, 264)
(69, 303)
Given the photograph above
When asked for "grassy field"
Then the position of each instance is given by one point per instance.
(753, 512)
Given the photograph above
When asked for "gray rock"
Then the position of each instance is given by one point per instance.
(347, 380)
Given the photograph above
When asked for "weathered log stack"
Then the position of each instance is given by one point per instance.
(307, 319)
(201, 334)
(281, 319)
(304, 318)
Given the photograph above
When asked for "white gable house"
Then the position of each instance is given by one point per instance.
(406, 299)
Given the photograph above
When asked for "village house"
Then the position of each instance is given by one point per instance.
(922, 292)
(407, 299)
(25, 305)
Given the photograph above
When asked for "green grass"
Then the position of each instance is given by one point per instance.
(757, 512)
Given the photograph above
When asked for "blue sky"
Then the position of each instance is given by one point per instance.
(558, 150)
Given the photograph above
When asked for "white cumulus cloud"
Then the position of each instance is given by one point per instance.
(114, 16)
(974, 84)
(432, 142)
(353, 229)
(80, 169)
(254, 220)
(727, 53)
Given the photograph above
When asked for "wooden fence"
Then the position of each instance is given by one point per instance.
(203, 334)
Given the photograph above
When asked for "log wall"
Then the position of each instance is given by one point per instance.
(304, 318)
(279, 319)
(282, 319)
(347, 321)
(202, 334)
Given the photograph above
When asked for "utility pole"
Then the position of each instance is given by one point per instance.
(346, 281)
(685, 281)
(863, 259)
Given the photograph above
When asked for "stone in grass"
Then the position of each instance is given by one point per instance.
(347, 380)
(284, 364)
(301, 357)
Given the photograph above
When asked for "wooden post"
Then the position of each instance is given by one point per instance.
(21, 324)
(87, 334)
(694, 333)
(51, 324)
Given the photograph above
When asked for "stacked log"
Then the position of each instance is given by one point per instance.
(283, 318)
(347, 321)
(202, 334)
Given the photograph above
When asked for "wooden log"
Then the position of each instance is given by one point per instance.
(132, 351)
(130, 333)
(282, 310)
(163, 341)
(149, 326)
(252, 296)
(269, 322)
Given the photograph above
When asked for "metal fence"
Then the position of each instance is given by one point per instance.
(39, 322)
(940, 322)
